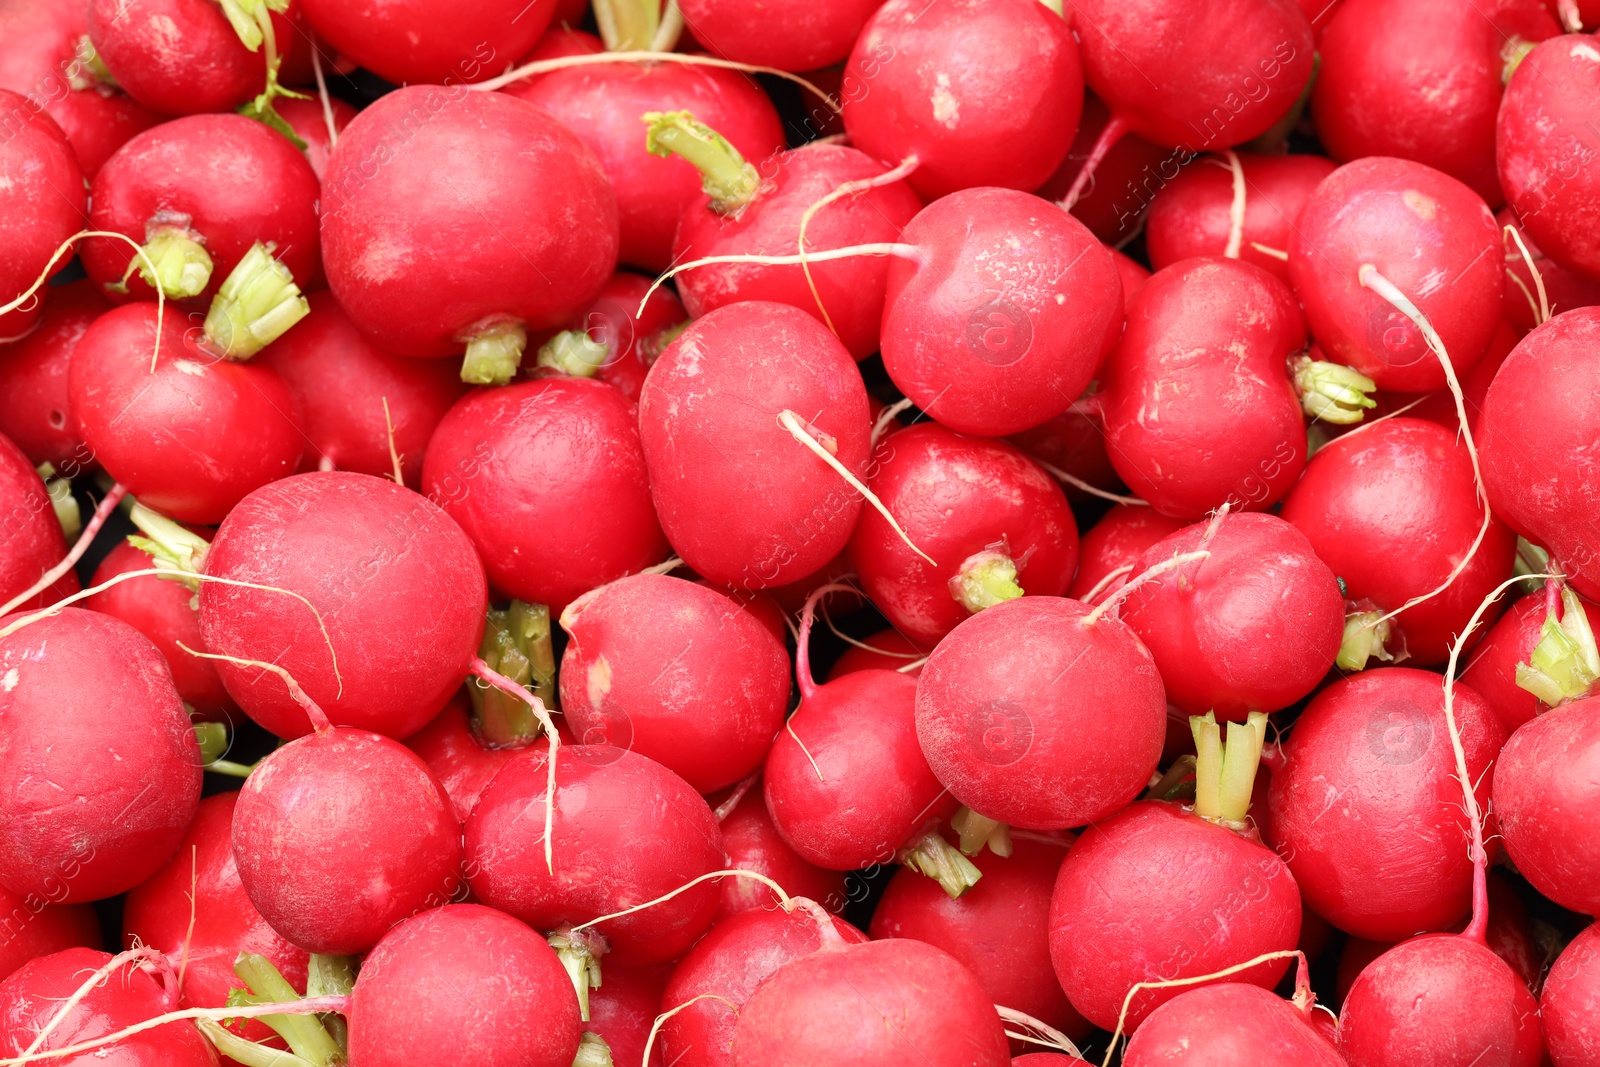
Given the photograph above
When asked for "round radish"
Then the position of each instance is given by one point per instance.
(1570, 1003)
(310, 124)
(1440, 406)
(451, 749)
(37, 415)
(1116, 543)
(614, 341)
(1566, 289)
(752, 842)
(86, 812)
(1073, 443)
(426, 41)
(35, 927)
(42, 203)
(623, 1011)
(1122, 184)
(790, 36)
(1544, 640)
(886, 650)
(1223, 1025)
(33, 543)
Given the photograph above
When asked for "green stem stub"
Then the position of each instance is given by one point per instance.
(88, 70)
(305, 1034)
(494, 353)
(516, 643)
(1365, 639)
(255, 306)
(169, 545)
(627, 25)
(1332, 392)
(1565, 664)
(577, 954)
(986, 578)
(935, 857)
(1225, 772)
(975, 831)
(726, 177)
(574, 353)
(1512, 53)
(182, 265)
(62, 502)
(593, 1052)
(246, 16)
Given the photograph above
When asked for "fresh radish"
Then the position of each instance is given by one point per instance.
(1423, 81)
(622, 1013)
(426, 259)
(504, 997)
(464, 765)
(703, 696)
(793, 35)
(1440, 406)
(426, 41)
(1544, 146)
(34, 927)
(746, 420)
(1539, 462)
(37, 416)
(1570, 1003)
(980, 93)
(1125, 178)
(88, 813)
(310, 122)
(1109, 552)
(1213, 896)
(1541, 653)
(1132, 275)
(1072, 446)
(34, 543)
(1004, 316)
(886, 650)
(760, 605)
(1392, 510)
(1564, 289)
(603, 104)
(42, 204)
(753, 843)
(1412, 225)
(1224, 1025)
(612, 339)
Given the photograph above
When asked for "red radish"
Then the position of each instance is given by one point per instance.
(1571, 1003)
(42, 204)
(33, 376)
(1544, 145)
(451, 749)
(1254, 628)
(310, 123)
(34, 543)
(88, 813)
(725, 967)
(830, 1006)
(164, 612)
(562, 40)
(559, 502)
(886, 650)
(192, 437)
(612, 339)
(980, 93)
(195, 910)
(752, 842)
(1543, 643)
(1213, 209)
(703, 696)
(753, 212)
(1123, 182)
(1364, 804)
(34, 927)
(623, 1011)
(762, 606)
(1539, 462)
(1206, 347)
(1214, 896)
(32, 1019)
(1003, 319)
(1564, 289)
(459, 44)
(603, 104)
(1132, 275)
(423, 277)
(1413, 225)
(793, 36)
(1440, 406)
(729, 417)
(1224, 1025)
(998, 525)
(998, 929)
(1042, 713)
(1392, 510)
(1074, 445)
(608, 802)
(1423, 81)
(1115, 544)
(463, 984)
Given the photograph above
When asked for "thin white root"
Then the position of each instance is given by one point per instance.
(1268, 250)
(540, 712)
(886, 418)
(64, 247)
(79, 547)
(1164, 567)
(1541, 313)
(545, 66)
(1111, 576)
(322, 92)
(1052, 1038)
(784, 898)
(863, 185)
(394, 456)
(655, 1027)
(1236, 208)
(1093, 490)
(891, 248)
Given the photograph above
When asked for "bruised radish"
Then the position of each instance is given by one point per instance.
(426, 41)
(703, 696)
(88, 812)
(793, 35)
(309, 123)
(1541, 653)
(982, 94)
(427, 258)
(34, 543)
(1125, 178)
(37, 416)
(34, 927)
(451, 749)
(1224, 1025)
(613, 340)
(886, 650)
(752, 842)
(1116, 543)
(1570, 1003)
(42, 203)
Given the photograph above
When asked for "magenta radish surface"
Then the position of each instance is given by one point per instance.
(626, 341)
(1002, 322)
(306, 119)
(1567, 289)
(703, 696)
(1117, 542)
(887, 650)
(998, 525)
(452, 751)
(1129, 164)
(741, 497)
(792, 35)
(459, 45)
(623, 1011)
(33, 376)
(48, 928)
(1503, 655)
(1570, 1003)
(752, 842)
(1223, 1025)
(34, 542)
(42, 204)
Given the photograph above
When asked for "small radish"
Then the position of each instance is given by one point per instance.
(87, 812)
(791, 36)
(1213, 895)
(1564, 289)
(886, 650)
(753, 843)
(1001, 322)
(999, 526)
(559, 499)
(1538, 429)
(703, 696)
(980, 93)
(42, 204)
(746, 420)
(309, 122)
(1544, 145)
(426, 41)
(364, 409)
(1110, 550)
(37, 416)
(1440, 406)
(1540, 654)
(1392, 510)
(34, 927)
(464, 765)
(1125, 179)
(463, 984)
(1412, 225)
(623, 1012)
(1072, 446)
(612, 339)
(1570, 1003)
(34, 543)
(1224, 1025)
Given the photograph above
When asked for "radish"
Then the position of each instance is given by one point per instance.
(1564, 289)
(1440, 406)
(703, 696)
(980, 93)
(1001, 321)
(1132, 275)
(89, 813)
(886, 650)
(37, 416)
(613, 339)
(1072, 446)
(789, 205)
(504, 997)
(1112, 547)
(450, 747)
(790, 36)
(1391, 510)
(33, 927)
(997, 523)
(1432, 98)
(41, 205)
(1042, 713)
(1412, 225)
(1206, 346)
(1113, 202)
(1213, 895)
(470, 278)
(364, 409)
(759, 605)
(603, 104)
(559, 501)
(1571, 1003)
(1544, 145)
(623, 1012)
(310, 123)
(1222, 1025)
(425, 41)
(1539, 463)
(34, 544)
(729, 419)
(1363, 806)
(752, 842)
(1233, 206)
(1541, 653)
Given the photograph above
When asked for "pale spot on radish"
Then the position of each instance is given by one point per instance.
(597, 681)
(10, 680)
(1586, 51)
(189, 366)
(946, 108)
(1420, 203)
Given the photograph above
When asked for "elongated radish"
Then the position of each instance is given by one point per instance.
(33, 375)
(42, 206)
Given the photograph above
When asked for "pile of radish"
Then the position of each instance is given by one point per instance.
(830, 533)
